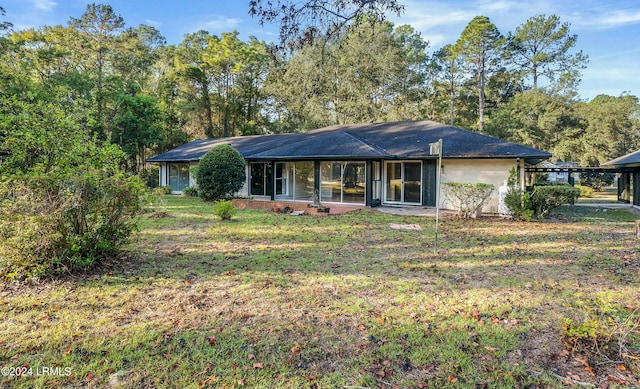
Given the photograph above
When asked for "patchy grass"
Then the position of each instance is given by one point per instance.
(606, 195)
(271, 300)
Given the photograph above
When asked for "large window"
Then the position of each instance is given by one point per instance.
(303, 181)
(343, 182)
(261, 174)
(178, 176)
(282, 181)
(294, 181)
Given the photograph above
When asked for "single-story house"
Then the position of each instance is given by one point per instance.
(629, 179)
(359, 164)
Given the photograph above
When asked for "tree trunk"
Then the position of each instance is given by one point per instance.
(452, 95)
(208, 132)
(481, 81)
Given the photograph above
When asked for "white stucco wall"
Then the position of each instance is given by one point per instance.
(487, 171)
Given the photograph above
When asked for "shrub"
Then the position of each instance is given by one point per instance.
(221, 173)
(166, 189)
(466, 198)
(224, 210)
(519, 204)
(49, 224)
(546, 198)
(596, 180)
(154, 200)
(586, 191)
(604, 331)
(190, 191)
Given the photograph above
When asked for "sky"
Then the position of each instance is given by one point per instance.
(608, 30)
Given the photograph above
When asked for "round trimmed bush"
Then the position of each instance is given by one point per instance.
(221, 173)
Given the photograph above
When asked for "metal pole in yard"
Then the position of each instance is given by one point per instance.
(436, 147)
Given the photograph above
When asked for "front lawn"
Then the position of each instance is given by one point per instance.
(343, 301)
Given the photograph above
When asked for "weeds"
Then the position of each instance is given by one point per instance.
(271, 300)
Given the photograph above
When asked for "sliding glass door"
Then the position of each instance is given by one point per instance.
(403, 182)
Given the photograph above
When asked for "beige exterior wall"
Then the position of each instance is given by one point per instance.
(487, 171)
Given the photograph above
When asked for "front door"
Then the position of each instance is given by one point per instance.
(403, 182)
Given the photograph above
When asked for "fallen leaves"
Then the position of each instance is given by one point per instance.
(89, 377)
(296, 349)
(211, 340)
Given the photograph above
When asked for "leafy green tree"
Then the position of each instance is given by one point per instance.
(220, 81)
(541, 47)
(98, 28)
(537, 119)
(413, 72)
(368, 75)
(137, 127)
(65, 202)
(450, 76)
(299, 90)
(596, 180)
(221, 173)
(137, 51)
(613, 128)
(482, 47)
(4, 26)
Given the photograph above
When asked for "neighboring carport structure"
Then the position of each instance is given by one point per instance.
(629, 167)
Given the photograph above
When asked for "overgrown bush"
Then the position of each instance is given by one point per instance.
(519, 204)
(597, 180)
(586, 191)
(546, 198)
(221, 173)
(50, 224)
(467, 199)
(604, 332)
(224, 210)
(155, 201)
(190, 191)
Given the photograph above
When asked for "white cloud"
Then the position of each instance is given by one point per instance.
(217, 23)
(616, 19)
(153, 23)
(442, 22)
(44, 5)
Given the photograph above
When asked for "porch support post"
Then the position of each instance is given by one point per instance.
(272, 181)
(624, 187)
(368, 187)
(316, 179)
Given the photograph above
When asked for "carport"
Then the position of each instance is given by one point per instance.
(626, 191)
(629, 167)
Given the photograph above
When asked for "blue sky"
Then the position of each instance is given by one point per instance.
(608, 30)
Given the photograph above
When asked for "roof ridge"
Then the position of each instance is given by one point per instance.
(373, 146)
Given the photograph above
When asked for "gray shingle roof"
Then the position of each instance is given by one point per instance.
(394, 140)
(629, 160)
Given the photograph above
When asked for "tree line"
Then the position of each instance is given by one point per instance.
(124, 85)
